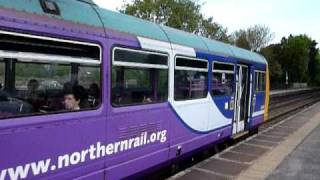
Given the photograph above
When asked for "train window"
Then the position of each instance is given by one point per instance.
(260, 81)
(89, 78)
(190, 79)
(2, 73)
(14, 42)
(131, 56)
(48, 76)
(222, 79)
(88, 75)
(37, 81)
(138, 80)
(223, 67)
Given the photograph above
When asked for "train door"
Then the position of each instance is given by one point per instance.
(241, 99)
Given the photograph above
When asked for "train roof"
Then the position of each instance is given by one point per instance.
(87, 13)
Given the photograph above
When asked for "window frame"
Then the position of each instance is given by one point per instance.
(224, 72)
(183, 68)
(138, 66)
(26, 57)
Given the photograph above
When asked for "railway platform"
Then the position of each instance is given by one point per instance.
(287, 150)
(286, 91)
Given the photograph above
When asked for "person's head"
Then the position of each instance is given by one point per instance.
(33, 85)
(67, 87)
(94, 90)
(72, 99)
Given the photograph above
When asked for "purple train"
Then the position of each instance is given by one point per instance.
(87, 93)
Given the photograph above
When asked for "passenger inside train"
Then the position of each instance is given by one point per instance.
(42, 88)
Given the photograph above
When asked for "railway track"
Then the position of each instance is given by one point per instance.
(281, 106)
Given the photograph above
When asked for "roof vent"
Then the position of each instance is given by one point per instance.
(50, 7)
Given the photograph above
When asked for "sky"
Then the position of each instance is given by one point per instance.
(284, 17)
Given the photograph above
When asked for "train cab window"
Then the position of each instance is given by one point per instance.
(2, 73)
(38, 81)
(190, 79)
(260, 80)
(138, 77)
(222, 79)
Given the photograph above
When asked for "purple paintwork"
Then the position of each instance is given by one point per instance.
(30, 139)
(256, 121)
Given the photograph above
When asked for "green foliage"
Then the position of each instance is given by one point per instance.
(180, 14)
(254, 38)
(272, 54)
(295, 55)
(240, 39)
(317, 70)
(313, 52)
(212, 30)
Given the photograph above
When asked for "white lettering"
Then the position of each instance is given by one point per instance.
(116, 146)
(101, 150)
(124, 145)
(109, 149)
(75, 158)
(153, 137)
(3, 174)
(19, 173)
(63, 161)
(92, 150)
(84, 154)
(40, 167)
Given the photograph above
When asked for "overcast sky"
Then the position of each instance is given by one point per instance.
(282, 16)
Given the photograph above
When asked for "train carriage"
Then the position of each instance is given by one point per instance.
(87, 93)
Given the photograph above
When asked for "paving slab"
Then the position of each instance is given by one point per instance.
(202, 175)
(297, 157)
(287, 150)
(238, 157)
(269, 138)
(262, 143)
(249, 149)
(303, 162)
(224, 167)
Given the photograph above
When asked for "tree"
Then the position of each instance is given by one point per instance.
(180, 14)
(254, 38)
(259, 36)
(212, 30)
(313, 53)
(272, 54)
(317, 70)
(240, 39)
(294, 57)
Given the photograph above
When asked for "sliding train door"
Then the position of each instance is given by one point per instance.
(242, 98)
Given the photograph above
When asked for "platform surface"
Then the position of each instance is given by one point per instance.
(288, 150)
(303, 162)
(284, 91)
